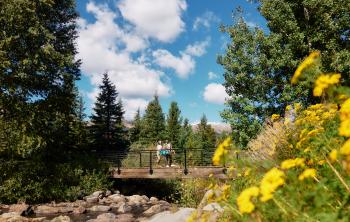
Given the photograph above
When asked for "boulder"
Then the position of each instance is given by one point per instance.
(115, 206)
(153, 199)
(213, 207)
(100, 208)
(12, 217)
(155, 209)
(23, 209)
(124, 208)
(108, 193)
(91, 199)
(61, 219)
(116, 198)
(125, 218)
(136, 199)
(145, 198)
(106, 217)
(44, 209)
(79, 210)
(180, 216)
(98, 194)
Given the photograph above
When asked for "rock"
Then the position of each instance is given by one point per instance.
(155, 209)
(100, 208)
(213, 207)
(91, 199)
(116, 198)
(0, 211)
(106, 217)
(23, 209)
(61, 219)
(153, 199)
(98, 194)
(65, 210)
(79, 203)
(116, 192)
(145, 198)
(125, 218)
(124, 208)
(38, 219)
(9, 215)
(136, 199)
(108, 193)
(180, 216)
(43, 209)
(115, 206)
(79, 210)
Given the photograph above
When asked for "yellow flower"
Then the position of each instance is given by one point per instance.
(289, 107)
(275, 117)
(270, 182)
(290, 163)
(221, 151)
(314, 132)
(321, 162)
(345, 110)
(344, 128)
(307, 173)
(345, 149)
(333, 155)
(324, 81)
(247, 172)
(244, 202)
(308, 61)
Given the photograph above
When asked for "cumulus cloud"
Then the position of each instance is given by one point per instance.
(105, 46)
(205, 20)
(215, 93)
(212, 75)
(183, 64)
(158, 19)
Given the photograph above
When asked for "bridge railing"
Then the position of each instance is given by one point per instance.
(182, 158)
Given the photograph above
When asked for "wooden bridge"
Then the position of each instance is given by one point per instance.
(142, 164)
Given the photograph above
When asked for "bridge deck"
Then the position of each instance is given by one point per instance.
(169, 173)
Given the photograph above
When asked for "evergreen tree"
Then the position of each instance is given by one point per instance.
(153, 123)
(107, 127)
(136, 129)
(174, 124)
(38, 69)
(185, 133)
(259, 65)
(207, 139)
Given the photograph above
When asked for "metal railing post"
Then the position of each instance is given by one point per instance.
(150, 163)
(185, 170)
(140, 154)
(118, 163)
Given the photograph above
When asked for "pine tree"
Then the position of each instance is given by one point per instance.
(207, 139)
(38, 68)
(136, 129)
(153, 123)
(107, 127)
(173, 125)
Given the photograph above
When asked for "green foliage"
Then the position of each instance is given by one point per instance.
(136, 129)
(173, 125)
(107, 127)
(153, 123)
(258, 65)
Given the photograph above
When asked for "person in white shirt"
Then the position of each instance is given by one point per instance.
(159, 148)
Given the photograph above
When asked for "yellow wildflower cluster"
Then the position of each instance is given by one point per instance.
(324, 81)
(245, 205)
(316, 115)
(310, 60)
(333, 155)
(307, 174)
(275, 117)
(290, 163)
(270, 182)
(221, 151)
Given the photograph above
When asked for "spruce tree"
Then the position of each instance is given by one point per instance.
(153, 123)
(136, 129)
(207, 139)
(174, 124)
(38, 69)
(107, 127)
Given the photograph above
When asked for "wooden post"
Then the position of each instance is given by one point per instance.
(140, 158)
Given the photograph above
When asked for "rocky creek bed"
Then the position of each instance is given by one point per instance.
(108, 207)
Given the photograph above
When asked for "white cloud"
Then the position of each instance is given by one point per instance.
(205, 20)
(184, 64)
(133, 105)
(215, 93)
(198, 48)
(155, 18)
(212, 75)
(105, 46)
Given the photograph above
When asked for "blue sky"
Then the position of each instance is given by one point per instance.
(164, 46)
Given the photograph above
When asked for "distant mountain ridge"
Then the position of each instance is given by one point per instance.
(218, 127)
